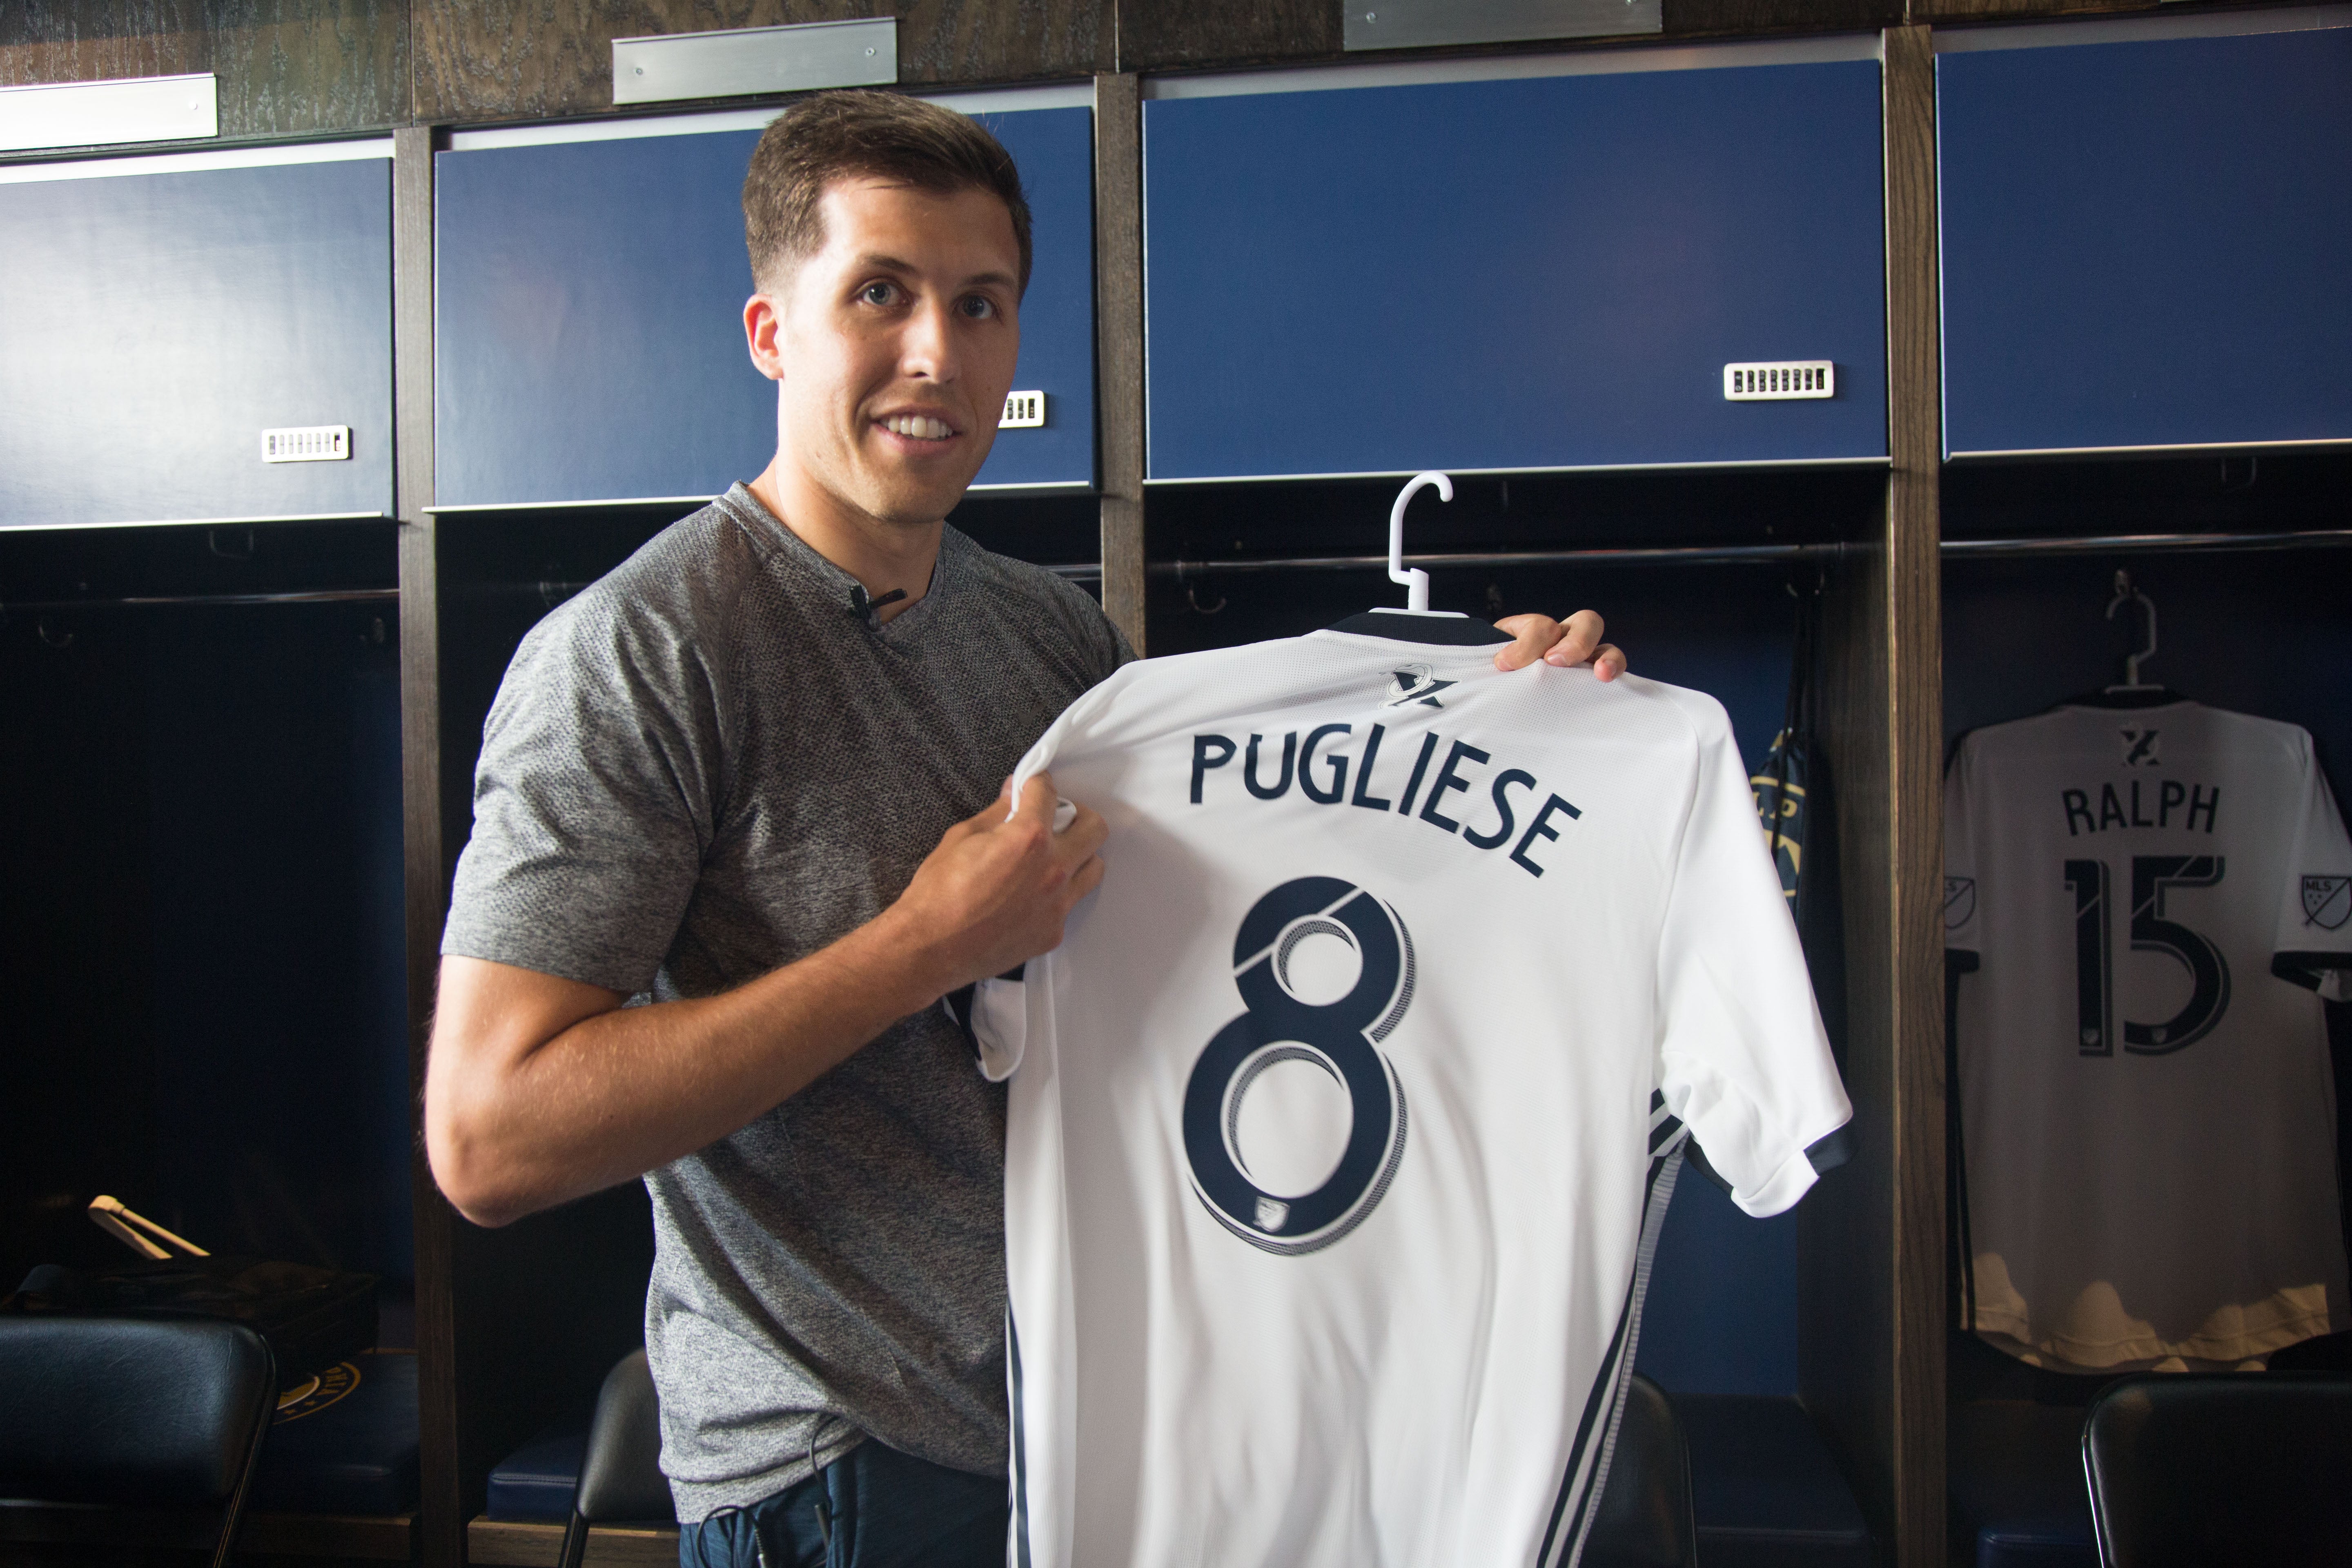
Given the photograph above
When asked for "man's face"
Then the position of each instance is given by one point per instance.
(894, 346)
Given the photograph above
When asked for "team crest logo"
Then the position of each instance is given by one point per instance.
(313, 1394)
(2140, 748)
(1960, 901)
(2326, 901)
(1414, 683)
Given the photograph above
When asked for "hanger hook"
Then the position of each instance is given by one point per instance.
(2125, 592)
(1193, 593)
(1416, 582)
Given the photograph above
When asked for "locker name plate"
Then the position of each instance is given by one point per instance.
(1024, 411)
(306, 443)
(1777, 381)
(739, 60)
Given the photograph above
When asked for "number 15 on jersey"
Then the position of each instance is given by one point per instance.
(2152, 877)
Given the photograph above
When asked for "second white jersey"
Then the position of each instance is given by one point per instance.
(2142, 900)
(1342, 1119)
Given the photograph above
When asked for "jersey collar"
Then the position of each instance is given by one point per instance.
(1404, 626)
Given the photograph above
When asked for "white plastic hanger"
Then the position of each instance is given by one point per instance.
(2125, 594)
(1416, 582)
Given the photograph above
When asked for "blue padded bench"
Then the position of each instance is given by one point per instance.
(534, 1484)
(1766, 1492)
(2017, 1486)
(350, 1447)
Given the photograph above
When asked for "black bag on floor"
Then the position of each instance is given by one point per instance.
(311, 1317)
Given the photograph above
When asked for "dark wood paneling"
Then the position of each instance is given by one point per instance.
(1155, 35)
(1871, 1286)
(441, 1541)
(484, 60)
(1734, 18)
(2025, 10)
(1915, 723)
(1163, 34)
(2021, 10)
(1845, 1312)
(1119, 345)
(286, 68)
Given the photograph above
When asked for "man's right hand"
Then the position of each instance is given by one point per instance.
(540, 1089)
(996, 891)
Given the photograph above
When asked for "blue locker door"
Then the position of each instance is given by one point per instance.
(153, 325)
(2147, 244)
(588, 318)
(1515, 274)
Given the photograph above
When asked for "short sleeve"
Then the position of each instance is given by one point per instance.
(1961, 935)
(594, 799)
(2312, 944)
(1742, 1057)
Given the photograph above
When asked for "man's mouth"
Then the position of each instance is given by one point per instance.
(918, 427)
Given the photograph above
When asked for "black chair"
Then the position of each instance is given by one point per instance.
(2207, 1470)
(147, 1413)
(620, 1478)
(1644, 1519)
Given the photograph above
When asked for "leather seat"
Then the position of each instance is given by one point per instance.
(148, 1413)
(620, 1478)
(2208, 1470)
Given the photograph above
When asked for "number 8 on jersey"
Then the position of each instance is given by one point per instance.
(1339, 1036)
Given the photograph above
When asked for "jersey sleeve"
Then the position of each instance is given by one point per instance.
(2313, 945)
(1962, 938)
(1742, 1059)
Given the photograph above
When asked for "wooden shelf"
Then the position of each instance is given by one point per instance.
(504, 1541)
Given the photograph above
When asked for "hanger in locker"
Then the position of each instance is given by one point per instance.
(1415, 580)
(2126, 594)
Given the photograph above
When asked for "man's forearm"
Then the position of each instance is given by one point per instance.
(540, 1089)
(514, 1126)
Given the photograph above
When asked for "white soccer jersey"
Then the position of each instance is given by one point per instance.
(2141, 900)
(1345, 1112)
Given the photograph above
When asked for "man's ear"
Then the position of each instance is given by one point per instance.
(762, 326)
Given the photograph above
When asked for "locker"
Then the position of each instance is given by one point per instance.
(588, 299)
(1551, 271)
(154, 324)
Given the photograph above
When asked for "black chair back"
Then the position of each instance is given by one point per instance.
(2215, 1469)
(620, 1478)
(135, 1412)
(1644, 1519)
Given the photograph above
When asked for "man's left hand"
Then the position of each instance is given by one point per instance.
(1576, 640)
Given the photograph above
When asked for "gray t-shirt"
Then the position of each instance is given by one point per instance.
(711, 763)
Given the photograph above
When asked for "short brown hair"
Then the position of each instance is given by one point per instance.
(851, 136)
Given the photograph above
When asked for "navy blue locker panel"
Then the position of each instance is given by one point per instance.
(153, 325)
(2147, 244)
(1513, 274)
(588, 308)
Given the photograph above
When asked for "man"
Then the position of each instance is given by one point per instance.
(711, 780)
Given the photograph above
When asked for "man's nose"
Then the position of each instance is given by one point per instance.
(927, 346)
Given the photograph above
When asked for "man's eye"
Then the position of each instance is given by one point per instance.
(879, 293)
(978, 308)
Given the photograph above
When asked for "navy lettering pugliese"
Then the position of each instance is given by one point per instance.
(1487, 826)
